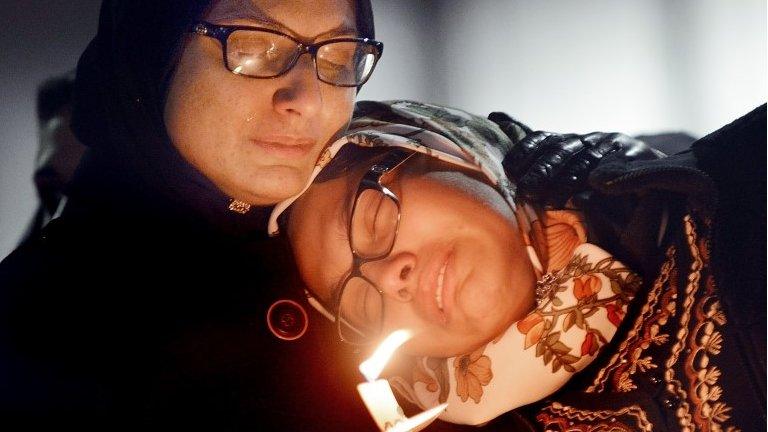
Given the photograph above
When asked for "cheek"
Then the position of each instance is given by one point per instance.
(427, 339)
(510, 298)
(202, 105)
(337, 111)
(500, 288)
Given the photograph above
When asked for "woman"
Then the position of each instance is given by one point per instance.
(506, 308)
(156, 301)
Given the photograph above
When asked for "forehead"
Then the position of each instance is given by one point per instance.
(304, 18)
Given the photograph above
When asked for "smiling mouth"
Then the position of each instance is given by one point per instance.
(438, 287)
(439, 290)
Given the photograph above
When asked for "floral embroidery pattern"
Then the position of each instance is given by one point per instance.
(472, 371)
(615, 314)
(532, 326)
(590, 344)
(644, 332)
(556, 236)
(697, 340)
(586, 286)
(537, 326)
(431, 373)
(704, 343)
(438, 367)
(421, 375)
(674, 386)
(565, 418)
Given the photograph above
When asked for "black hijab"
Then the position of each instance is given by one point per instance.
(122, 78)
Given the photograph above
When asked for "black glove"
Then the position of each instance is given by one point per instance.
(549, 168)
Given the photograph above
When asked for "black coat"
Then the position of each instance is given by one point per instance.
(125, 315)
(145, 305)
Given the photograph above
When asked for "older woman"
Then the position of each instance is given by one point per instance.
(155, 301)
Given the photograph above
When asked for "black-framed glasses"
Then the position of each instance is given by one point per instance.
(266, 53)
(358, 305)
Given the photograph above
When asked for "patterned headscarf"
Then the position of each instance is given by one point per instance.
(448, 134)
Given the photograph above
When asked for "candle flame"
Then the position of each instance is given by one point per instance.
(419, 421)
(372, 367)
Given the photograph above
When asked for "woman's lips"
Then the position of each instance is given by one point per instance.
(285, 147)
(448, 286)
(439, 290)
(437, 287)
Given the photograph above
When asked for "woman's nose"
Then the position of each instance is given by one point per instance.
(395, 275)
(300, 94)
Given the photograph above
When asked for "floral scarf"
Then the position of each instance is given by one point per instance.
(582, 293)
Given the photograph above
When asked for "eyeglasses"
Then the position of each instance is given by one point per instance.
(265, 53)
(372, 230)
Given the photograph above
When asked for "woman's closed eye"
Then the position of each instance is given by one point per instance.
(374, 216)
(331, 67)
(361, 305)
(365, 219)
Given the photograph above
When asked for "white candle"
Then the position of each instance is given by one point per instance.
(419, 421)
(377, 394)
(381, 403)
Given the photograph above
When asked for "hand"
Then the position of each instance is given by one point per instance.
(549, 168)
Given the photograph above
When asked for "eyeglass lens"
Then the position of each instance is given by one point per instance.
(263, 55)
(361, 311)
(373, 229)
(373, 225)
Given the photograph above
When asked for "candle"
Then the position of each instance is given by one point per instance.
(419, 421)
(377, 393)
(381, 403)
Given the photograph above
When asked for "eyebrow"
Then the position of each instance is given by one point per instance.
(338, 31)
(245, 9)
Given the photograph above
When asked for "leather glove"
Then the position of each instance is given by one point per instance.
(549, 168)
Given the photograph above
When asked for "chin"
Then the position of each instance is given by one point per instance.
(270, 185)
(268, 196)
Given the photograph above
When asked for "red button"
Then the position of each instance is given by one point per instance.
(287, 320)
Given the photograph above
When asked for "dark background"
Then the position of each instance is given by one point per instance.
(38, 39)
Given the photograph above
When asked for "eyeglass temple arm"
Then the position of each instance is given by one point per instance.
(207, 29)
(320, 308)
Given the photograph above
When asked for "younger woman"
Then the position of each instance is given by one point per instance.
(508, 301)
